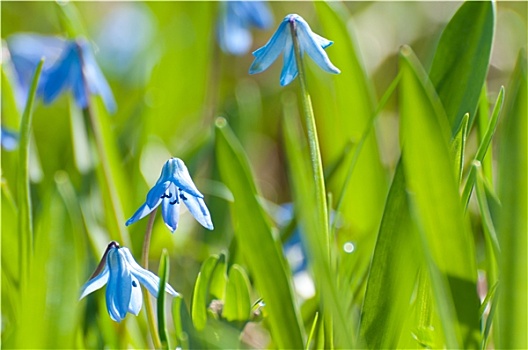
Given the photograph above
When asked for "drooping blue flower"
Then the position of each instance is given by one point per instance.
(173, 187)
(8, 139)
(69, 65)
(282, 41)
(122, 276)
(236, 17)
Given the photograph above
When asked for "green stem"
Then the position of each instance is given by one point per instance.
(146, 296)
(315, 152)
(25, 219)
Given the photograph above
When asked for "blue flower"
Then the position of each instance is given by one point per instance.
(69, 64)
(122, 275)
(8, 139)
(174, 186)
(235, 20)
(282, 41)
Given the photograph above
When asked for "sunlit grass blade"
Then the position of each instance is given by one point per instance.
(487, 221)
(483, 147)
(201, 292)
(237, 305)
(511, 228)
(461, 61)
(491, 302)
(393, 271)
(483, 118)
(25, 217)
(260, 250)
(164, 277)
(435, 202)
(333, 306)
(182, 324)
(459, 145)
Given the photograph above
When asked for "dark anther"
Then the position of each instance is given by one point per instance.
(173, 202)
(166, 195)
(134, 284)
(182, 196)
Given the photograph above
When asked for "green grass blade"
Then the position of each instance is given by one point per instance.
(334, 306)
(483, 117)
(487, 222)
(483, 147)
(459, 145)
(511, 229)
(163, 273)
(182, 324)
(237, 305)
(461, 60)
(425, 137)
(25, 219)
(260, 250)
(392, 272)
(201, 292)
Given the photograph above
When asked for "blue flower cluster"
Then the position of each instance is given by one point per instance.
(70, 65)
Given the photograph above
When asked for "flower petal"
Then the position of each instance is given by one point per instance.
(8, 139)
(95, 78)
(143, 211)
(181, 177)
(198, 209)
(145, 277)
(170, 208)
(95, 283)
(267, 54)
(119, 286)
(289, 68)
(155, 193)
(136, 298)
(312, 46)
(59, 76)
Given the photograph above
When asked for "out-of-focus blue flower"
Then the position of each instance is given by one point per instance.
(174, 186)
(8, 139)
(282, 41)
(69, 64)
(236, 17)
(122, 275)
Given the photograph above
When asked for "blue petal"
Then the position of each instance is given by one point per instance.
(95, 283)
(322, 41)
(143, 211)
(233, 36)
(145, 277)
(155, 193)
(136, 298)
(312, 46)
(180, 176)
(267, 54)
(95, 78)
(61, 75)
(170, 208)
(8, 139)
(119, 286)
(199, 210)
(289, 68)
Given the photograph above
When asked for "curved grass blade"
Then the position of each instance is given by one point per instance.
(260, 250)
(461, 61)
(459, 145)
(201, 292)
(237, 305)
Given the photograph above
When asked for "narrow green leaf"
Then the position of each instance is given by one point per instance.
(487, 222)
(511, 228)
(491, 300)
(435, 203)
(201, 292)
(461, 60)
(237, 305)
(259, 248)
(182, 324)
(483, 147)
(483, 117)
(333, 305)
(163, 273)
(25, 218)
(393, 269)
(217, 284)
(459, 145)
(312, 332)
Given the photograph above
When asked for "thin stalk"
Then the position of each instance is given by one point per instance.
(97, 133)
(315, 152)
(148, 302)
(25, 219)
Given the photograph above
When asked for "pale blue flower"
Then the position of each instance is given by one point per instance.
(65, 63)
(282, 41)
(173, 187)
(122, 276)
(8, 139)
(236, 17)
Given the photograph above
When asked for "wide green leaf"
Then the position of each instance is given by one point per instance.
(512, 230)
(201, 292)
(461, 60)
(259, 248)
(237, 305)
(435, 203)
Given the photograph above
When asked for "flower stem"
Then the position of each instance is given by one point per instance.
(146, 296)
(25, 219)
(315, 152)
